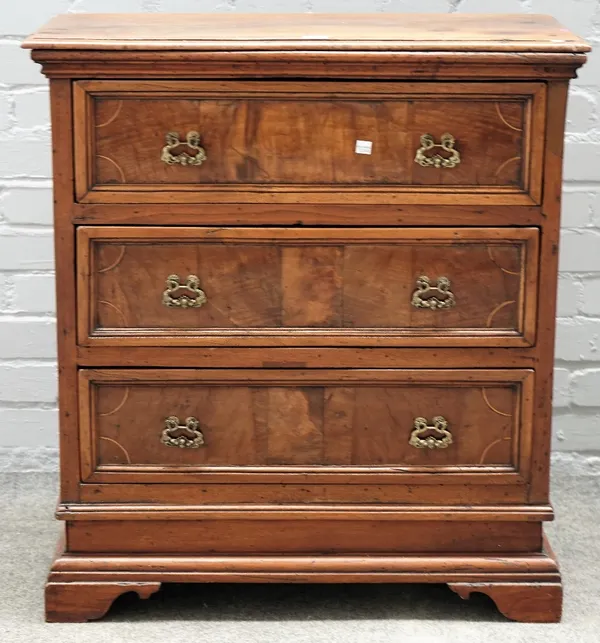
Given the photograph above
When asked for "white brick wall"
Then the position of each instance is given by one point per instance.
(27, 342)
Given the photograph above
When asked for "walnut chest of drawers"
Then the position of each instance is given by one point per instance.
(306, 274)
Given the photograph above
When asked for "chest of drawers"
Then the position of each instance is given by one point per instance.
(306, 273)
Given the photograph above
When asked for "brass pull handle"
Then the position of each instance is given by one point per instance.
(187, 295)
(192, 140)
(428, 296)
(437, 160)
(184, 436)
(425, 436)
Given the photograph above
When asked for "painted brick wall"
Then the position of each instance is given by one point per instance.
(28, 426)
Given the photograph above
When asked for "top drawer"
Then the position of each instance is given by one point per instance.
(313, 141)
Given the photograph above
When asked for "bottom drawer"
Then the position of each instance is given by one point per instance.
(288, 426)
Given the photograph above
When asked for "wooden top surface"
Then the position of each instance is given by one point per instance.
(313, 32)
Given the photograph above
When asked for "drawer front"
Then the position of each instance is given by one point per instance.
(278, 287)
(209, 424)
(148, 141)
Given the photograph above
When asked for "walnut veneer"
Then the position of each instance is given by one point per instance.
(306, 273)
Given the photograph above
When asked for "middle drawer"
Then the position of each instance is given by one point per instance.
(150, 286)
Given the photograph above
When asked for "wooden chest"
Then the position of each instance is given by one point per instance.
(306, 274)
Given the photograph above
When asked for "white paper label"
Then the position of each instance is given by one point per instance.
(363, 147)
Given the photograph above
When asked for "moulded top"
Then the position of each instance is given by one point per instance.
(312, 32)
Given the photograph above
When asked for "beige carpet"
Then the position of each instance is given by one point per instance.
(294, 613)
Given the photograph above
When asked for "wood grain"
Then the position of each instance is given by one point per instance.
(314, 511)
(385, 65)
(297, 357)
(295, 428)
(307, 286)
(301, 537)
(81, 601)
(308, 364)
(422, 32)
(66, 308)
(530, 576)
(285, 141)
(282, 419)
(303, 214)
(542, 444)
(524, 602)
(301, 487)
(245, 129)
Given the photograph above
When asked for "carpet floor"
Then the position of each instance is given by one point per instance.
(298, 613)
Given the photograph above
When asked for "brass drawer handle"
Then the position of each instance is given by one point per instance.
(187, 295)
(437, 160)
(192, 140)
(433, 297)
(420, 440)
(184, 436)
